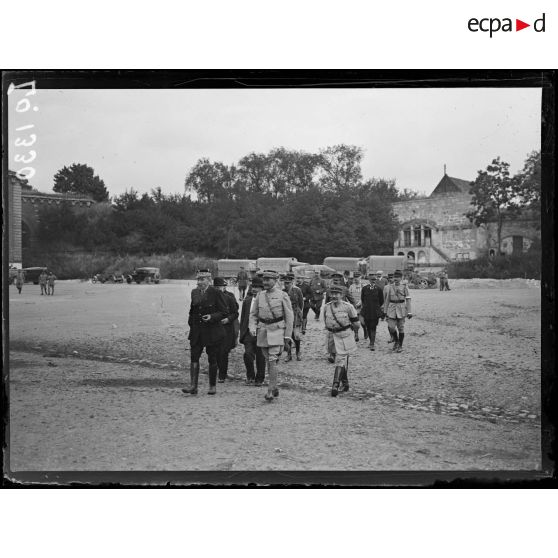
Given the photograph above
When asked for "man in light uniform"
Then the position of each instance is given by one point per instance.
(355, 291)
(397, 307)
(297, 303)
(339, 318)
(271, 321)
(43, 278)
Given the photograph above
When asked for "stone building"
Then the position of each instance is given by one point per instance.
(434, 231)
(24, 203)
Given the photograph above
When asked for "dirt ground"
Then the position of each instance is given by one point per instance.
(96, 371)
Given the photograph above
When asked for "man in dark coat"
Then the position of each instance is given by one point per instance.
(242, 281)
(251, 350)
(207, 309)
(372, 298)
(229, 343)
(304, 286)
(318, 287)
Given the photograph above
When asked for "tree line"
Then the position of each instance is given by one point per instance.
(280, 203)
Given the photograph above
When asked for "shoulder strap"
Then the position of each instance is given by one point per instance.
(335, 316)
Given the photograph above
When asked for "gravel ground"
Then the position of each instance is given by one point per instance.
(96, 371)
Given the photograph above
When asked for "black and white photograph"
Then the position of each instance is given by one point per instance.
(251, 277)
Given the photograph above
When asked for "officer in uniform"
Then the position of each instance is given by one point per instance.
(51, 278)
(303, 285)
(372, 297)
(229, 322)
(251, 350)
(207, 309)
(386, 289)
(355, 291)
(318, 287)
(397, 307)
(297, 303)
(271, 321)
(339, 318)
(43, 277)
(242, 280)
(19, 280)
(336, 281)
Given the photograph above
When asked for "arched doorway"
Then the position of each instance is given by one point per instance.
(421, 259)
(411, 257)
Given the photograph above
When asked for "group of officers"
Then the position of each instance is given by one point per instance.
(273, 318)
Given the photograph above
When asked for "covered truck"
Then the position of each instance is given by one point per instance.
(229, 268)
(342, 264)
(387, 264)
(280, 265)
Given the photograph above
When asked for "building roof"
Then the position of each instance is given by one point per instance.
(451, 185)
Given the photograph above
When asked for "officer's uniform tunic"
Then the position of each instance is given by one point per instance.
(397, 304)
(43, 282)
(297, 303)
(272, 318)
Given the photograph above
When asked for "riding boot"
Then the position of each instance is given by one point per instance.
(365, 331)
(372, 339)
(344, 379)
(395, 340)
(272, 390)
(297, 345)
(194, 375)
(400, 344)
(336, 378)
(212, 379)
(304, 322)
(289, 351)
(249, 364)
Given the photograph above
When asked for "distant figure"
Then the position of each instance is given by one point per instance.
(304, 286)
(355, 290)
(318, 287)
(43, 277)
(51, 278)
(297, 303)
(444, 284)
(19, 280)
(242, 280)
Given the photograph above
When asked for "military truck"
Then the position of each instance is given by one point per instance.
(280, 265)
(343, 264)
(228, 269)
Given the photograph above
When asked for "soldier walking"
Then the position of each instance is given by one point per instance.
(444, 284)
(318, 287)
(271, 321)
(251, 350)
(397, 307)
(43, 277)
(336, 281)
(339, 318)
(355, 291)
(386, 289)
(303, 285)
(229, 321)
(242, 281)
(208, 307)
(19, 280)
(372, 298)
(297, 303)
(51, 278)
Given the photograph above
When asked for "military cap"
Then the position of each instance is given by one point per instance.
(219, 282)
(337, 274)
(390, 274)
(270, 274)
(379, 272)
(289, 277)
(356, 274)
(397, 273)
(257, 282)
(203, 273)
(336, 289)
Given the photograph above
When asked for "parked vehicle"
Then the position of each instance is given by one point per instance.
(387, 264)
(280, 265)
(107, 278)
(308, 270)
(32, 274)
(343, 264)
(229, 269)
(421, 279)
(146, 275)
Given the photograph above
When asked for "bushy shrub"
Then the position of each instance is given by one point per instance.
(526, 266)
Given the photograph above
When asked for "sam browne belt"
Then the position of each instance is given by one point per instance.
(338, 329)
(272, 321)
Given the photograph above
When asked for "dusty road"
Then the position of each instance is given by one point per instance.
(96, 372)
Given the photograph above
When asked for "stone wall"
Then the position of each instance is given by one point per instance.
(444, 210)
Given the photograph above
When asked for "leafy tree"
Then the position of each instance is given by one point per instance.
(494, 196)
(528, 182)
(80, 179)
(209, 181)
(340, 165)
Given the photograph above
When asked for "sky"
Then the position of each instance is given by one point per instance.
(144, 139)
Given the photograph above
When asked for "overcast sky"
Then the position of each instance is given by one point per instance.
(148, 138)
